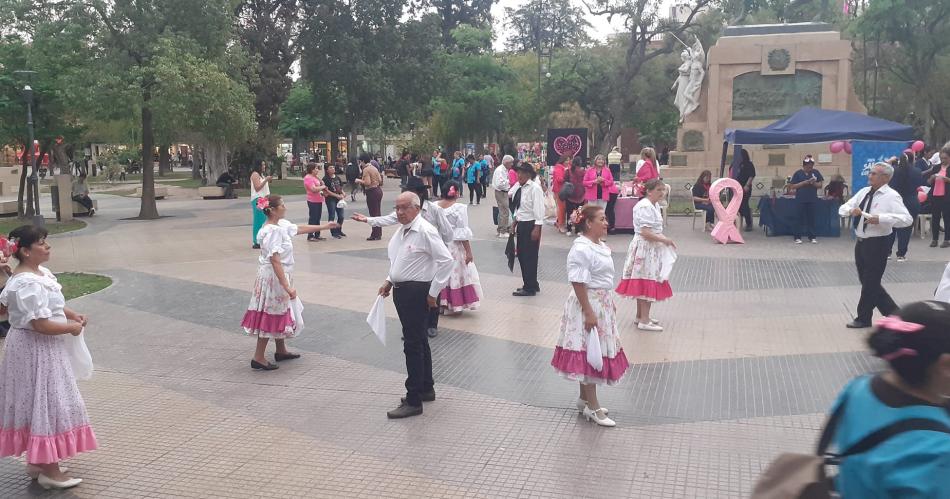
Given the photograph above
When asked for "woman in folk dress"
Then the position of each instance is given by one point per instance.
(590, 305)
(649, 259)
(269, 313)
(42, 412)
(464, 291)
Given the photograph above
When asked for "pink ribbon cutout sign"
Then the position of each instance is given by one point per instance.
(725, 230)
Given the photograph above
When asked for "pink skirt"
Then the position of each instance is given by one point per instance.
(43, 414)
(570, 354)
(645, 289)
(268, 314)
(464, 289)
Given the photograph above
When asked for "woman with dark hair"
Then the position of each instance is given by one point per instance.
(335, 199)
(260, 187)
(906, 180)
(270, 313)
(315, 199)
(590, 270)
(908, 402)
(745, 177)
(576, 177)
(42, 412)
(464, 289)
(701, 197)
(472, 169)
(650, 257)
(939, 197)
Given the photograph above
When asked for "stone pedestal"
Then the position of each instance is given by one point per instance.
(758, 74)
(64, 198)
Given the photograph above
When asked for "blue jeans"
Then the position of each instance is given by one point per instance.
(902, 235)
(708, 208)
(334, 210)
(806, 218)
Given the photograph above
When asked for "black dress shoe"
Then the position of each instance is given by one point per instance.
(523, 292)
(256, 246)
(933, 244)
(337, 236)
(266, 367)
(945, 244)
(425, 396)
(432, 332)
(285, 356)
(856, 324)
(341, 233)
(373, 238)
(404, 411)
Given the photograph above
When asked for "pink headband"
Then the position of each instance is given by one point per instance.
(903, 352)
(898, 325)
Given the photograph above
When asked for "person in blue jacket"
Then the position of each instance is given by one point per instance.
(458, 168)
(472, 174)
(915, 343)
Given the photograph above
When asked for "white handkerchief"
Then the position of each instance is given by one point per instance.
(377, 318)
(296, 313)
(79, 356)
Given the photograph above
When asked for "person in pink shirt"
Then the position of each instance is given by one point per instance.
(557, 183)
(314, 187)
(649, 169)
(598, 182)
(940, 197)
(512, 174)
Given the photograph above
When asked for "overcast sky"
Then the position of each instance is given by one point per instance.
(600, 30)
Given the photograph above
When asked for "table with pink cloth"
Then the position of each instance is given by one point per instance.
(623, 213)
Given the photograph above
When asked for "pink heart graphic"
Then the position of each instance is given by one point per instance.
(569, 145)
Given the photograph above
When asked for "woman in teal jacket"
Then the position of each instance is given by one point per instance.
(915, 343)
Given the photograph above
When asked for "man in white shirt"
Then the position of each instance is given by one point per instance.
(432, 213)
(877, 211)
(419, 267)
(501, 185)
(527, 204)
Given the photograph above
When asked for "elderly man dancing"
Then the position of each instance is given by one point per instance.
(876, 211)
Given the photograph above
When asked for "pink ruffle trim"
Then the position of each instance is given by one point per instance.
(645, 289)
(41, 449)
(466, 295)
(256, 321)
(573, 362)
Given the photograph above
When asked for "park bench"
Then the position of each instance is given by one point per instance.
(211, 192)
(160, 192)
(80, 210)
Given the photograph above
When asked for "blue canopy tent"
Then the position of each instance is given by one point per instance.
(810, 125)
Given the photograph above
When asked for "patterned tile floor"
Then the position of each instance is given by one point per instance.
(753, 352)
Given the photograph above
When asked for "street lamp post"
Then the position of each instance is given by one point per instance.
(33, 208)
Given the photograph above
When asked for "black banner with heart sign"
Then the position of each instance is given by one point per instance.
(569, 141)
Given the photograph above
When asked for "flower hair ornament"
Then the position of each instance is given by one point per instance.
(9, 246)
(577, 216)
(262, 203)
(453, 193)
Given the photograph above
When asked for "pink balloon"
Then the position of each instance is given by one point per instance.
(922, 196)
(837, 147)
(917, 146)
(847, 147)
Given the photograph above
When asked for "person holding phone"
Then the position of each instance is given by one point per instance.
(260, 187)
(806, 183)
(939, 198)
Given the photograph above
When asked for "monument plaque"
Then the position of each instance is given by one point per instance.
(768, 97)
(693, 140)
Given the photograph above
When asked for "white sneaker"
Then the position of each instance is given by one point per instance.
(502, 235)
(901, 259)
(813, 240)
(798, 241)
(649, 327)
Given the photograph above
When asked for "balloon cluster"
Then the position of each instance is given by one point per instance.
(842, 145)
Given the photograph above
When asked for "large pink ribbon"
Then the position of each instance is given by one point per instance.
(725, 229)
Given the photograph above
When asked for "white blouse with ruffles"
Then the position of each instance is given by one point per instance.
(29, 296)
(278, 239)
(590, 263)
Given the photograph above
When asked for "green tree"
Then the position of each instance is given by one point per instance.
(552, 24)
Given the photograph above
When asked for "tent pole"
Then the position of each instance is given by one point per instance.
(722, 161)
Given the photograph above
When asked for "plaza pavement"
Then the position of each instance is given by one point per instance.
(753, 352)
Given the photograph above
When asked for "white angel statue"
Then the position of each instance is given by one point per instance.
(689, 83)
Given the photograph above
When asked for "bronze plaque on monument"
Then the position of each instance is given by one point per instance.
(768, 97)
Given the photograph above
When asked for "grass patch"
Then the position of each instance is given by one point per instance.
(284, 187)
(119, 192)
(189, 183)
(54, 227)
(76, 284)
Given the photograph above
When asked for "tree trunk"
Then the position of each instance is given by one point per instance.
(164, 159)
(195, 164)
(148, 210)
(216, 157)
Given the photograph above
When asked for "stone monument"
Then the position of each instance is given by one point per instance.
(755, 75)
